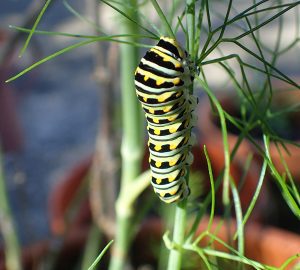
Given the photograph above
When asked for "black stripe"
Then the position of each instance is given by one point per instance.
(164, 132)
(155, 58)
(152, 83)
(165, 165)
(157, 92)
(169, 195)
(166, 147)
(154, 101)
(165, 180)
(156, 71)
(166, 121)
(169, 47)
(174, 108)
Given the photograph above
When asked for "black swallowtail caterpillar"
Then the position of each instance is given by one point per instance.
(161, 81)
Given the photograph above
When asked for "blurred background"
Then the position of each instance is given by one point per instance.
(49, 117)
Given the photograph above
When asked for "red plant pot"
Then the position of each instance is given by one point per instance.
(210, 135)
(265, 244)
(63, 195)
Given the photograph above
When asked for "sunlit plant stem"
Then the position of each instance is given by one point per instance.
(175, 257)
(132, 140)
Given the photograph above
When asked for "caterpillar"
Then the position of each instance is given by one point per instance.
(162, 79)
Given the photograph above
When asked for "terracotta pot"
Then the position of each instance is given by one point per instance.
(10, 129)
(291, 153)
(66, 247)
(264, 244)
(31, 255)
(147, 242)
(210, 135)
(63, 195)
(64, 253)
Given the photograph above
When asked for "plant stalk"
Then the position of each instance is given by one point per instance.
(132, 140)
(175, 257)
(11, 244)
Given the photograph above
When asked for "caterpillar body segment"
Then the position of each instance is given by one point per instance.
(171, 147)
(175, 194)
(177, 162)
(162, 79)
(165, 109)
(171, 131)
(157, 99)
(168, 118)
(163, 179)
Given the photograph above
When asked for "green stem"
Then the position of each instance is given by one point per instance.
(132, 142)
(95, 237)
(34, 27)
(175, 257)
(163, 18)
(11, 244)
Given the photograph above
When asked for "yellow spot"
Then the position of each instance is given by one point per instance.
(148, 143)
(162, 194)
(167, 59)
(172, 146)
(157, 147)
(172, 129)
(172, 192)
(172, 162)
(178, 94)
(171, 179)
(161, 99)
(146, 78)
(155, 120)
(167, 109)
(178, 65)
(157, 164)
(158, 181)
(149, 159)
(164, 56)
(156, 131)
(159, 81)
(145, 99)
(176, 81)
(172, 118)
(151, 111)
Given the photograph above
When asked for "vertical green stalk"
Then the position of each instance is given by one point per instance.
(132, 140)
(92, 246)
(175, 257)
(11, 244)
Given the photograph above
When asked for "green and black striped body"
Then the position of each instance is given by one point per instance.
(161, 80)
